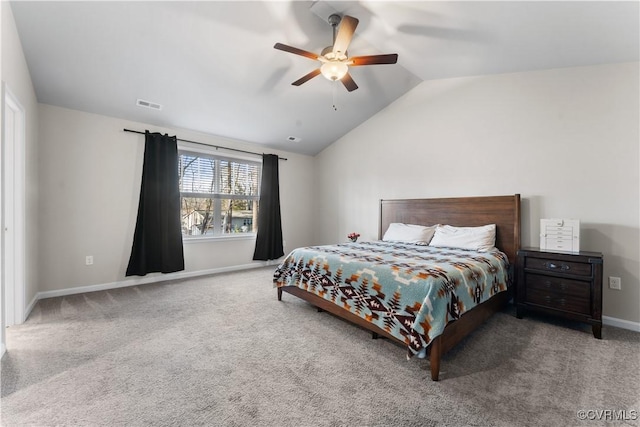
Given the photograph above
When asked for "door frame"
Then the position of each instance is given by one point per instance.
(13, 208)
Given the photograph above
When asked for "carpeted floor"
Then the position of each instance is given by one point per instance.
(222, 351)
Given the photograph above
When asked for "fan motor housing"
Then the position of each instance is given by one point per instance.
(327, 52)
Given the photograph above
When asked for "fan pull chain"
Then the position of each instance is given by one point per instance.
(335, 95)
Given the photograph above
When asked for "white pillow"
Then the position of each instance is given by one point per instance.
(475, 238)
(409, 233)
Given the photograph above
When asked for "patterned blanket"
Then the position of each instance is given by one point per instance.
(410, 291)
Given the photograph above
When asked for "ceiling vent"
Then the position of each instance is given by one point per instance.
(294, 139)
(148, 104)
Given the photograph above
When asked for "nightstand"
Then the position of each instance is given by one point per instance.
(562, 284)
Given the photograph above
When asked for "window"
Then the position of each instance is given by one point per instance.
(218, 195)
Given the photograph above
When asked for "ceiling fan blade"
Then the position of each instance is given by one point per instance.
(347, 27)
(391, 58)
(306, 77)
(348, 82)
(295, 50)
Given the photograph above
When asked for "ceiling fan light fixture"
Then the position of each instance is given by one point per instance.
(334, 70)
(335, 59)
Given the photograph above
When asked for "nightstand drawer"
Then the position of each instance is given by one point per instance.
(558, 301)
(565, 267)
(559, 285)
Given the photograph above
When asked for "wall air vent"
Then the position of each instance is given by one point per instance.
(148, 104)
(294, 139)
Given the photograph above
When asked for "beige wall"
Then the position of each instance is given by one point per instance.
(17, 78)
(90, 173)
(567, 140)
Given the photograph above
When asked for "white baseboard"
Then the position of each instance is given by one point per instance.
(155, 278)
(29, 308)
(621, 323)
(606, 320)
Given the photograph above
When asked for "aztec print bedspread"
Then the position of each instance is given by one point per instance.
(410, 291)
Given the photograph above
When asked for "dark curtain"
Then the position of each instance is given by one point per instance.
(269, 239)
(157, 242)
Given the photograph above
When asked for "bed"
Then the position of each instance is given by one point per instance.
(426, 299)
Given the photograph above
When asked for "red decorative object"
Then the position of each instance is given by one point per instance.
(353, 236)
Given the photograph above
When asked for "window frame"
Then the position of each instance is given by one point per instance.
(187, 148)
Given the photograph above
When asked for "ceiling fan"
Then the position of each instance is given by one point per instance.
(335, 59)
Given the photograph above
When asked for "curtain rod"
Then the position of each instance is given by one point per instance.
(208, 145)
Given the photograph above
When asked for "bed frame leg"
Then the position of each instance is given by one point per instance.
(434, 359)
(374, 335)
(597, 331)
(279, 294)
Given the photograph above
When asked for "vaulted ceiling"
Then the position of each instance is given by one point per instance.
(213, 68)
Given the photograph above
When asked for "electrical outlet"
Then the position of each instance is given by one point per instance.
(89, 260)
(615, 283)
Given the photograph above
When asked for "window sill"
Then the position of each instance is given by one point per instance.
(208, 239)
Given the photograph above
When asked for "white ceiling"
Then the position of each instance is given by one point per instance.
(213, 67)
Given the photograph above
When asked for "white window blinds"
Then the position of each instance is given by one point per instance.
(205, 174)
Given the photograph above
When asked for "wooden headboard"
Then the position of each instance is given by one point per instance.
(503, 211)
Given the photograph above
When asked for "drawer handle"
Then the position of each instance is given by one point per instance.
(548, 284)
(552, 266)
(560, 302)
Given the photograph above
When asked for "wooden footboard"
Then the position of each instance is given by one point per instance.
(453, 333)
